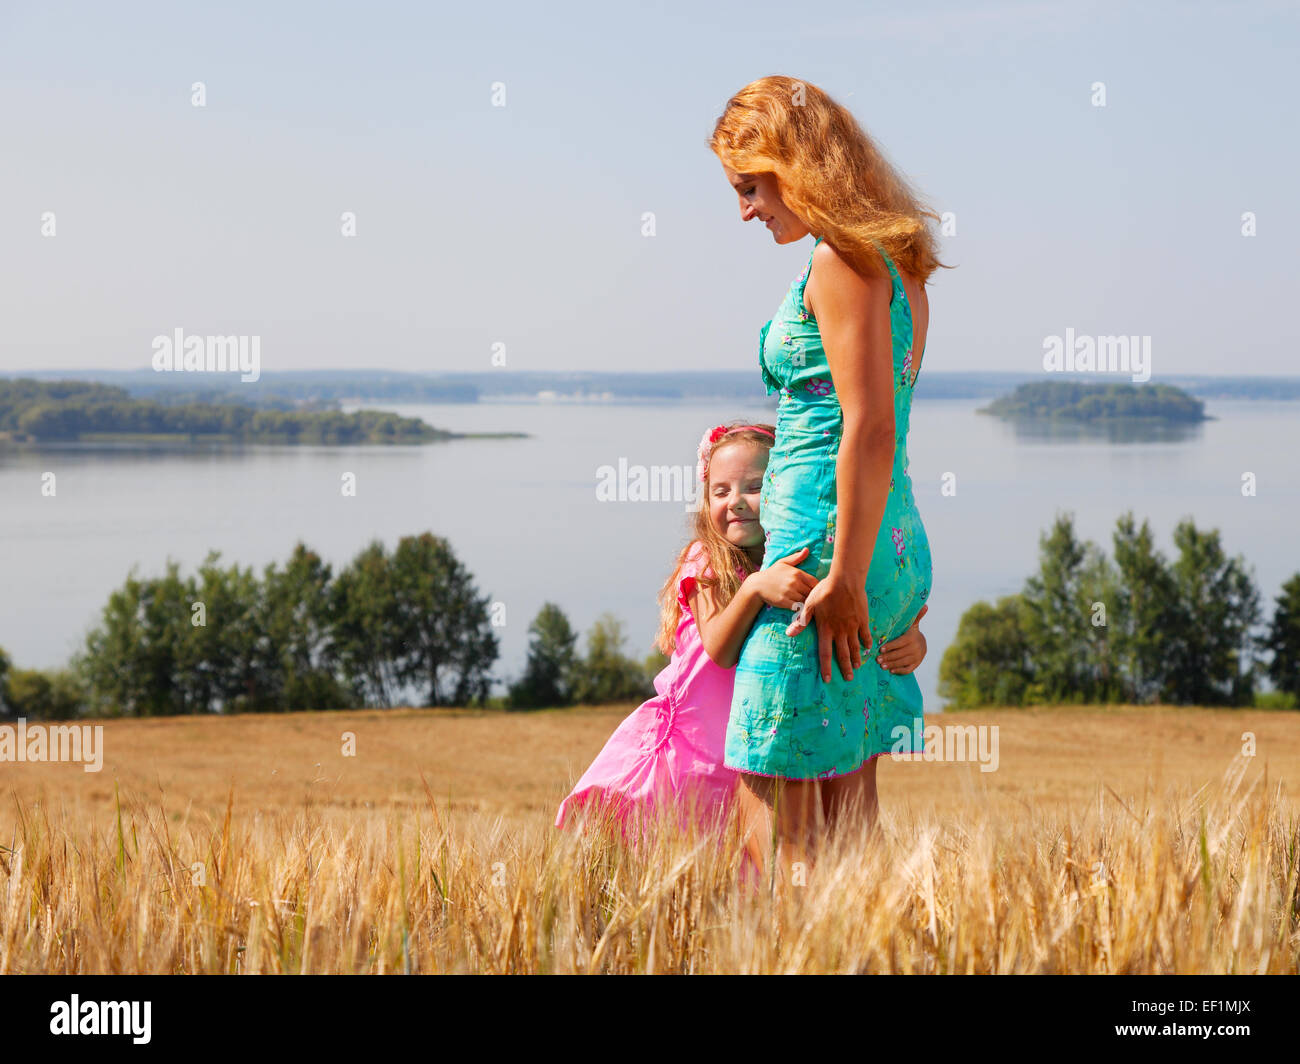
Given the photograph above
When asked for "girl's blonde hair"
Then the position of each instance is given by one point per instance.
(728, 564)
(830, 173)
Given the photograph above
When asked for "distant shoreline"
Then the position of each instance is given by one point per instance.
(91, 413)
(127, 441)
(296, 388)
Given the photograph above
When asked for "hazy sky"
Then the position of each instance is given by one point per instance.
(522, 224)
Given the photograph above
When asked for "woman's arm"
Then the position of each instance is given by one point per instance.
(853, 318)
(852, 314)
(723, 631)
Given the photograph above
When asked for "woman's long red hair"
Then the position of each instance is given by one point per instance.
(830, 173)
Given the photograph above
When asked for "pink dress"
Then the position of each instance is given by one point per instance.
(670, 748)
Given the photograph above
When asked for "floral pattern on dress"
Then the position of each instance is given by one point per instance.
(785, 720)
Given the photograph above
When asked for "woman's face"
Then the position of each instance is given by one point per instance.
(735, 487)
(760, 198)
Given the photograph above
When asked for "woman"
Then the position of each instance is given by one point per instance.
(811, 711)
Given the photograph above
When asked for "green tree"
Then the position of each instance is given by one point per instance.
(1057, 624)
(39, 695)
(51, 421)
(1145, 612)
(606, 674)
(140, 659)
(988, 663)
(413, 618)
(5, 665)
(1211, 649)
(548, 674)
(365, 632)
(444, 638)
(297, 626)
(228, 641)
(220, 641)
(226, 663)
(1283, 639)
(654, 663)
(1099, 583)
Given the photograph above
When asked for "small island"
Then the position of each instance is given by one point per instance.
(1080, 401)
(33, 411)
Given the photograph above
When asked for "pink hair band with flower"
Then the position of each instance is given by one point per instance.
(711, 437)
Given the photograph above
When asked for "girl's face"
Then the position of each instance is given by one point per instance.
(760, 198)
(735, 484)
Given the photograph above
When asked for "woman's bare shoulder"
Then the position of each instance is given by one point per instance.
(835, 281)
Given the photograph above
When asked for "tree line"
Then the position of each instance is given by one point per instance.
(67, 410)
(1087, 401)
(1136, 628)
(226, 639)
(1086, 628)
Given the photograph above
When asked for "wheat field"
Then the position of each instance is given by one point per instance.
(1109, 840)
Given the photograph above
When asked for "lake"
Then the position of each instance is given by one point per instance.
(525, 517)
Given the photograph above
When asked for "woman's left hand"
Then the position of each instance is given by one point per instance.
(840, 612)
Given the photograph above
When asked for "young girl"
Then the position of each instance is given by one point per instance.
(671, 748)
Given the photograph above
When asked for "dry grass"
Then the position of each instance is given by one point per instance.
(1109, 840)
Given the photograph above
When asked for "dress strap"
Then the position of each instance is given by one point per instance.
(893, 270)
(801, 282)
(802, 279)
(893, 273)
(896, 277)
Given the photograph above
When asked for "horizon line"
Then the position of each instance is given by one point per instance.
(613, 372)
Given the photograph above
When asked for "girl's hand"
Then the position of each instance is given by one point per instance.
(904, 654)
(840, 611)
(783, 584)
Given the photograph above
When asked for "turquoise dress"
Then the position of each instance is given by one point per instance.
(785, 720)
